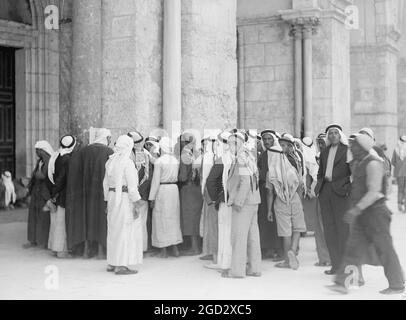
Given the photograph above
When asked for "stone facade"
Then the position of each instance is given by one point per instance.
(374, 60)
(266, 81)
(209, 66)
(104, 67)
(132, 65)
(266, 74)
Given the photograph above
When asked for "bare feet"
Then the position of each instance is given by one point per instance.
(293, 262)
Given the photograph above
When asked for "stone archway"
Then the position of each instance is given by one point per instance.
(37, 62)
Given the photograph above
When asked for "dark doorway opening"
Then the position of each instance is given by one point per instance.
(7, 110)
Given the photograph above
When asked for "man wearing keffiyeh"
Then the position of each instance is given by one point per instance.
(333, 188)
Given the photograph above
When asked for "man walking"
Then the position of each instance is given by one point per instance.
(370, 219)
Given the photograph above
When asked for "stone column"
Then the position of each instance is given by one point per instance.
(172, 66)
(209, 64)
(297, 33)
(86, 67)
(307, 81)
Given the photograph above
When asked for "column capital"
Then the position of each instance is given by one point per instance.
(302, 21)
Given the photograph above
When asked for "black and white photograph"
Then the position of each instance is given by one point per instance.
(214, 152)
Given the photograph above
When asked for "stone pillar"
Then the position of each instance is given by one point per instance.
(241, 79)
(172, 66)
(86, 90)
(297, 33)
(209, 64)
(307, 81)
(132, 65)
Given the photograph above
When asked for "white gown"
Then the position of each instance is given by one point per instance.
(166, 213)
(124, 233)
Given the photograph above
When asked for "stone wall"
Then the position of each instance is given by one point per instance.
(266, 79)
(65, 78)
(132, 65)
(402, 96)
(209, 66)
(374, 63)
(331, 74)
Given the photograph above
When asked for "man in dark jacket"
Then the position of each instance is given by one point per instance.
(333, 188)
(58, 172)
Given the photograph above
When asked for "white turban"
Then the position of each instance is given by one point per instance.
(368, 131)
(364, 140)
(116, 164)
(165, 145)
(67, 144)
(101, 136)
(46, 146)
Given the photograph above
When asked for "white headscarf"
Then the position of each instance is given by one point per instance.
(343, 138)
(67, 144)
(401, 148)
(10, 196)
(101, 136)
(44, 145)
(276, 146)
(282, 176)
(115, 166)
(165, 145)
(370, 133)
(309, 151)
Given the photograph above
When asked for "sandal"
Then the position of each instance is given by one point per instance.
(254, 274)
(228, 275)
(282, 265)
(125, 271)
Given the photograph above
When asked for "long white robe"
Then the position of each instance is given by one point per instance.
(124, 233)
(224, 221)
(166, 213)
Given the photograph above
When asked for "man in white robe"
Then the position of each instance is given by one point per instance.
(164, 197)
(124, 224)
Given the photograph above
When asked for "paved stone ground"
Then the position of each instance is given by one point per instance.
(22, 274)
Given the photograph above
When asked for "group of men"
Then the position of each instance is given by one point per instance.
(235, 197)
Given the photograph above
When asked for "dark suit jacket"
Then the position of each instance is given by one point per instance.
(341, 182)
(214, 184)
(61, 180)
